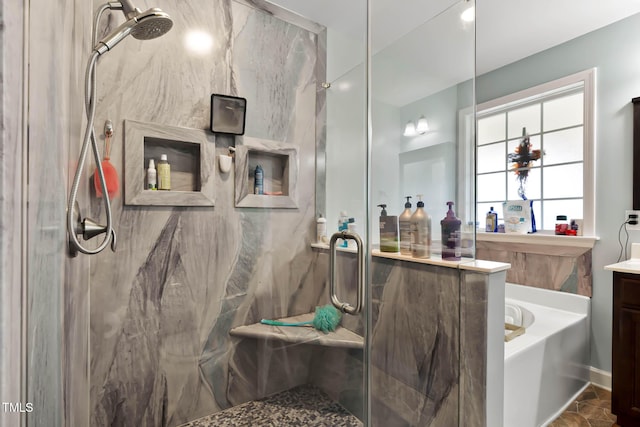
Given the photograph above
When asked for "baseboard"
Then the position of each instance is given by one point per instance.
(600, 378)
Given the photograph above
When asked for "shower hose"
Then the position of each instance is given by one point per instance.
(90, 82)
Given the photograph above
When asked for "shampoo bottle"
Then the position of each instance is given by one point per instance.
(451, 235)
(164, 173)
(388, 231)
(405, 228)
(351, 226)
(321, 230)
(258, 176)
(492, 221)
(343, 225)
(420, 232)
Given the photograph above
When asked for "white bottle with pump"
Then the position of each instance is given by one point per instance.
(420, 231)
(404, 222)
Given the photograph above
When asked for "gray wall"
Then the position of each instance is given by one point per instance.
(614, 50)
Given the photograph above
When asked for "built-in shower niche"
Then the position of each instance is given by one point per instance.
(190, 153)
(279, 162)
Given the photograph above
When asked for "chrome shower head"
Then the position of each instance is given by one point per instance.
(151, 24)
(141, 25)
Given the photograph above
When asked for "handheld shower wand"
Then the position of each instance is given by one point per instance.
(143, 26)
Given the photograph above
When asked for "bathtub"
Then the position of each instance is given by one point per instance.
(547, 366)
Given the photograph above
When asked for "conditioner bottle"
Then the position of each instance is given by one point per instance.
(420, 232)
(388, 231)
(451, 235)
(405, 228)
(164, 173)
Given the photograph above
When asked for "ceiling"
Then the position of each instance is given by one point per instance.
(407, 66)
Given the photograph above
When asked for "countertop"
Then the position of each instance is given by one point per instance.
(632, 265)
(479, 266)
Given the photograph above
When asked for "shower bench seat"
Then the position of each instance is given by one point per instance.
(341, 337)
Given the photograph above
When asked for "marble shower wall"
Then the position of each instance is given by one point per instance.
(163, 304)
(11, 157)
(56, 286)
(560, 268)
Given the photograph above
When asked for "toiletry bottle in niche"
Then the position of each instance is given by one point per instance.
(321, 230)
(492, 221)
(164, 173)
(451, 248)
(388, 231)
(405, 228)
(258, 180)
(420, 231)
(152, 183)
(343, 224)
(352, 228)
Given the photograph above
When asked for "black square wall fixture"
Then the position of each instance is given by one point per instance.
(228, 114)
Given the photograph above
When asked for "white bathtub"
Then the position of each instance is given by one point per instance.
(547, 367)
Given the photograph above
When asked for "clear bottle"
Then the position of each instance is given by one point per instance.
(404, 222)
(164, 173)
(420, 231)
(152, 183)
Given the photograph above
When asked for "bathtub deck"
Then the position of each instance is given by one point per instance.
(300, 406)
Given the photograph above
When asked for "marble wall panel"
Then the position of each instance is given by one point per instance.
(481, 349)
(560, 268)
(414, 347)
(56, 287)
(163, 304)
(414, 353)
(11, 208)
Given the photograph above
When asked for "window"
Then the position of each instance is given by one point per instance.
(558, 117)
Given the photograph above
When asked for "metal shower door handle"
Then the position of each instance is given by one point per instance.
(344, 306)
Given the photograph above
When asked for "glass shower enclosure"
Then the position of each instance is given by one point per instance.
(167, 330)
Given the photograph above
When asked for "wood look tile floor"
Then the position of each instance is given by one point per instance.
(591, 409)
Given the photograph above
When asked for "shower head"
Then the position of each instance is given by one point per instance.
(141, 25)
(151, 24)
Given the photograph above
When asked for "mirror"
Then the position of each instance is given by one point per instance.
(423, 64)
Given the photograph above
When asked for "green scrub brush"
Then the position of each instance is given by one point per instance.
(325, 319)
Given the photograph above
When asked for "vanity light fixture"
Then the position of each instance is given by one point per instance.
(410, 129)
(422, 126)
(413, 129)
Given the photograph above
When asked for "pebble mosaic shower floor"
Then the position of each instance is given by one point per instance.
(300, 406)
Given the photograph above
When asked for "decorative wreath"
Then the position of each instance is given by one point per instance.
(523, 159)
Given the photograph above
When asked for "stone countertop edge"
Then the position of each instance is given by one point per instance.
(479, 266)
(632, 265)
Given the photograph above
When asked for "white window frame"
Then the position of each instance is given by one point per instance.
(587, 80)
